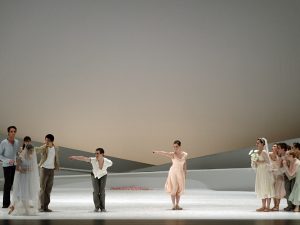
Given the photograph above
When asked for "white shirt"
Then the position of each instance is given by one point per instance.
(49, 163)
(98, 173)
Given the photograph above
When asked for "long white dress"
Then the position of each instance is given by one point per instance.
(25, 196)
(264, 181)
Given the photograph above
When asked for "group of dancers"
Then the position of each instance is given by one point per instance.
(277, 175)
(32, 189)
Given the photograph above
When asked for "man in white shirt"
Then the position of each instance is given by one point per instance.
(49, 162)
(98, 176)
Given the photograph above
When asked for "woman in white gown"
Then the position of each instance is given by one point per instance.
(264, 181)
(25, 197)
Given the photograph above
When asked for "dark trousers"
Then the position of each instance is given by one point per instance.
(99, 191)
(289, 184)
(46, 184)
(9, 174)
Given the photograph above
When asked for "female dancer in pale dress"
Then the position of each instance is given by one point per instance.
(264, 182)
(25, 197)
(175, 183)
(278, 171)
(294, 168)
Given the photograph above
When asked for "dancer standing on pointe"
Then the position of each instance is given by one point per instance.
(98, 175)
(175, 183)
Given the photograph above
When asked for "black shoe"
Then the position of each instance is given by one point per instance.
(288, 209)
(103, 210)
(96, 210)
(48, 210)
(5, 206)
(41, 210)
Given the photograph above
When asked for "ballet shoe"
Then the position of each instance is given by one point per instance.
(178, 207)
(260, 209)
(11, 209)
(287, 209)
(274, 209)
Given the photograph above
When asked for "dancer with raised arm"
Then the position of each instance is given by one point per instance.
(98, 176)
(48, 164)
(175, 183)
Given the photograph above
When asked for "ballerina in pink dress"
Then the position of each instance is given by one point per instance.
(175, 183)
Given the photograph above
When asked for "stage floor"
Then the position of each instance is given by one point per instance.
(75, 203)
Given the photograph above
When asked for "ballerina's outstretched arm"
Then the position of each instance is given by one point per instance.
(163, 153)
(80, 158)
